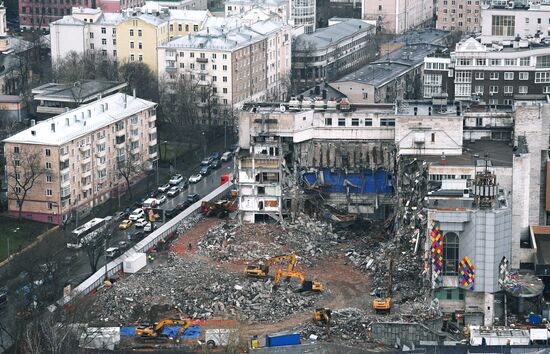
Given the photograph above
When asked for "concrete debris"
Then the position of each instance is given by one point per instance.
(198, 290)
(307, 238)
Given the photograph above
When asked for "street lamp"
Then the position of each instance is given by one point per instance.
(204, 143)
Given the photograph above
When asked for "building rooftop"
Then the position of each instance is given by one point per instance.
(499, 153)
(83, 92)
(82, 120)
(260, 3)
(423, 36)
(392, 65)
(325, 37)
(331, 92)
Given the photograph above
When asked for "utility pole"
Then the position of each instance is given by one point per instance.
(225, 132)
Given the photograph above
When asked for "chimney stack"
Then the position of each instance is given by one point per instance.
(134, 93)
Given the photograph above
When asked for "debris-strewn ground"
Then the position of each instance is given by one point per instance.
(348, 325)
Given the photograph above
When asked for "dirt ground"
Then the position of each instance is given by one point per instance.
(346, 286)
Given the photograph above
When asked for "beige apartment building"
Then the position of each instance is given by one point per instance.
(80, 157)
(459, 15)
(398, 16)
(241, 63)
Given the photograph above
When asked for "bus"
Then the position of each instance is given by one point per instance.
(88, 231)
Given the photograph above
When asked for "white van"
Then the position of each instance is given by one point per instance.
(150, 203)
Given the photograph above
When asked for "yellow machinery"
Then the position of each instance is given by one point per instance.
(261, 270)
(154, 331)
(382, 302)
(307, 285)
(322, 315)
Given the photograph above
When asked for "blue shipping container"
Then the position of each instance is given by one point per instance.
(282, 340)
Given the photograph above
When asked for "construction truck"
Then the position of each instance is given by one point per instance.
(261, 269)
(219, 209)
(322, 315)
(382, 302)
(155, 330)
(307, 285)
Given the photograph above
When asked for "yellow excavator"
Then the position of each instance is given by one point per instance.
(307, 285)
(261, 269)
(382, 302)
(322, 315)
(155, 330)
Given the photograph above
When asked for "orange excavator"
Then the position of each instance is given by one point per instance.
(261, 269)
(155, 330)
(307, 285)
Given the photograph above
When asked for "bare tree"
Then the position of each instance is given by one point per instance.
(23, 170)
(178, 102)
(85, 66)
(141, 79)
(95, 248)
(129, 164)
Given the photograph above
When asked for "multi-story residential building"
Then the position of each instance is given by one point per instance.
(501, 74)
(327, 10)
(459, 15)
(398, 16)
(437, 79)
(302, 14)
(239, 8)
(504, 21)
(329, 53)
(176, 5)
(80, 154)
(38, 14)
(139, 36)
(241, 64)
(87, 30)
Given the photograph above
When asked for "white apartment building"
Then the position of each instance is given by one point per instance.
(83, 152)
(242, 64)
(240, 8)
(86, 30)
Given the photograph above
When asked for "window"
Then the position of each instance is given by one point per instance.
(49, 192)
(354, 122)
(480, 75)
(387, 122)
(103, 30)
(493, 89)
(495, 62)
(546, 89)
(463, 77)
(508, 75)
(195, 28)
(132, 58)
(214, 67)
(49, 165)
(508, 90)
(49, 178)
(525, 61)
(104, 41)
(50, 206)
(543, 61)
(131, 45)
(16, 149)
(140, 57)
(478, 90)
(131, 33)
(224, 67)
(494, 76)
(480, 62)
(542, 77)
(341, 122)
(450, 254)
(48, 152)
(224, 90)
(522, 90)
(139, 33)
(365, 95)
(191, 54)
(368, 122)
(224, 56)
(463, 61)
(180, 27)
(92, 35)
(214, 78)
(510, 62)
(328, 122)
(140, 45)
(523, 75)
(224, 78)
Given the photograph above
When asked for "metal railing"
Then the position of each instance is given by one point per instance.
(162, 233)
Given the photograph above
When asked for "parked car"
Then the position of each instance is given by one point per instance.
(122, 244)
(112, 252)
(136, 235)
(207, 161)
(195, 178)
(216, 164)
(227, 156)
(120, 215)
(137, 214)
(175, 180)
(205, 170)
(139, 203)
(150, 226)
(216, 155)
(153, 194)
(125, 224)
(161, 199)
(164, 188)
(192, 198)
(141, 222)
(174, 191)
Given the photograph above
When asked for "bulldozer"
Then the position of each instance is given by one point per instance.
(261, 269)
(146, 330)
(382, 302)
(307, 285)
(322, 315)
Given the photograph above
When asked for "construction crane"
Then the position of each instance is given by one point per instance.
(382, 302)
(307, 285)
(261, 269)
(155, 330)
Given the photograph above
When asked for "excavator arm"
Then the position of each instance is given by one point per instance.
(307, 285)
(261, 269)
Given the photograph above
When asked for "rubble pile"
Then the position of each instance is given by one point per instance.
(200, 291)
(307, 238)
(349, 325)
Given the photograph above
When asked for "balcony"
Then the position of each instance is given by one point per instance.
(86, 160)
(153, 155)
(101, 139)
(100, 153)
(135, 150)
(86, 181)
(120, 145)
(134, 138)
(153, 142)
(152, 130)
(171, 69)
(87, 173)
(84, 148)
(65, 182)
(202, 60)
(102, 179)
(120, 132)
(152, 118)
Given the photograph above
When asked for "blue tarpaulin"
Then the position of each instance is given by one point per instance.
(128, 331)
(365, 181)
(193, 332)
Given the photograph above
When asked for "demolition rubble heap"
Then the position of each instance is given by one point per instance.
(199, 290)
(401, 241)
(307, 238)
(349, 325)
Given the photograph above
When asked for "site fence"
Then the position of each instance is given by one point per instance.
(162, 233)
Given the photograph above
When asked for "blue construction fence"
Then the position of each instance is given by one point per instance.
(193, 332)
(362, 181)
